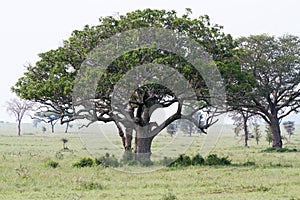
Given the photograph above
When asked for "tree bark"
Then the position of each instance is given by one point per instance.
(19, 127)
(246, 133)
(143, 140)
(275, 127)
(143, 144)
(128, 139)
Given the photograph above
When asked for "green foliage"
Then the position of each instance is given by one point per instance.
(198, 160)
(181, 161)
(272, 75)
(51, 80)
(84, 162)
(108, 161)
(213, 159)
(51, 163)
(280, 150)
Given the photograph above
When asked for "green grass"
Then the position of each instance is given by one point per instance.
(24, 175)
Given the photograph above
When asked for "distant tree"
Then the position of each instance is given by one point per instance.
(186, 126)
(19, 108)
(241, 121)
(35, 122)
(172, 128)
(290, 128)
(269, 135)
(65, 141)
(270, 87)
(50, 117)
(44, 129)
(68, 125)
(257, 133)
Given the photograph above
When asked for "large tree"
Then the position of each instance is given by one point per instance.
(271, 86)
(52, 79)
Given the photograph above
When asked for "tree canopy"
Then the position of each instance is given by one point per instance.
(51, 80)
(271, 86)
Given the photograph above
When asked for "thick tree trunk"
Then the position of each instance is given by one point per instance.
(143, 142)
(143, 148)
(275, 127)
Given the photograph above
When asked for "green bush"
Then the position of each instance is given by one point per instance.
(213, 159)
(181, 161)
(84, 162)
(130, 159)
(108, 161)
(280, 150)
(198, 160)
(51, 163)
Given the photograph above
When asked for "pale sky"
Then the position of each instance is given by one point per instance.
(34, 26)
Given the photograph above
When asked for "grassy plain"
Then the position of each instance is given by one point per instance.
(24, 175)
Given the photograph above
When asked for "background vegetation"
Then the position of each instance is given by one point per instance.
(253, 173)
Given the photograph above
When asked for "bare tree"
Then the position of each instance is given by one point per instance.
(19, 108)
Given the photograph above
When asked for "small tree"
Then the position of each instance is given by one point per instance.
(257, 133)
(65, 140)
(242, 119)
(290, 128)
(172, 128)
(48, 117)
(269, 135)
(19, 108)
(68, 126)
(187, 126)
(35, 122)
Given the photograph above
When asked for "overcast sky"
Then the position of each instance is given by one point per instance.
(34, 26)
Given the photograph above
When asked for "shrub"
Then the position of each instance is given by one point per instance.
(130, 160)
(145, 162)
(213, 159)
(107, 161)
(84, 162)
(280, 150)
(181, 161)
(198, 160)
(51, 163)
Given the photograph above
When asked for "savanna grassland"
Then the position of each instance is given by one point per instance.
(25, 174)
